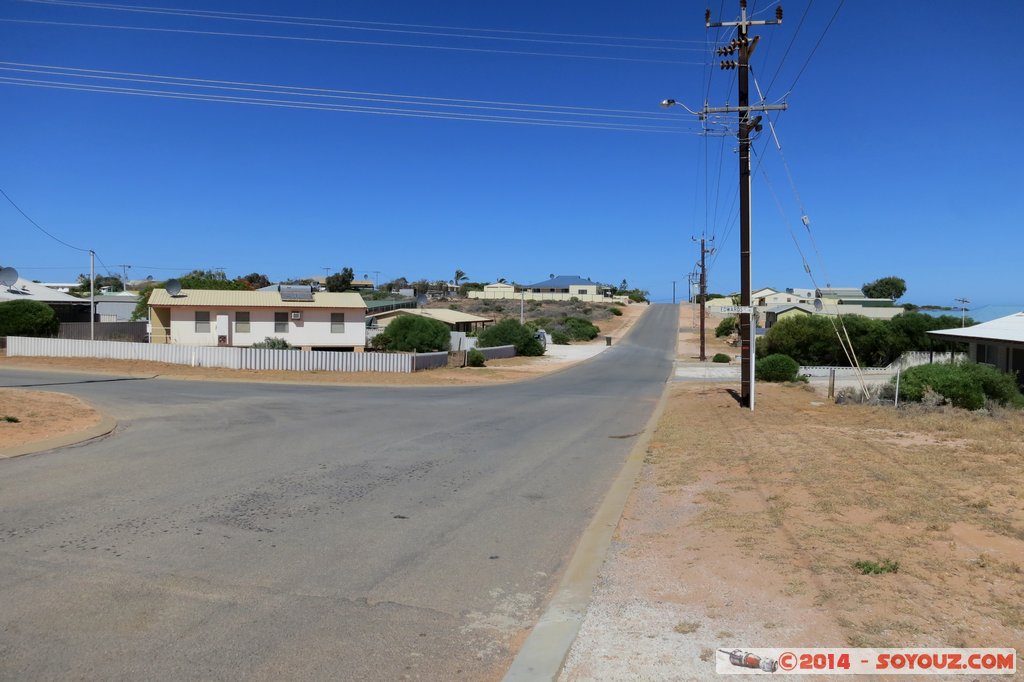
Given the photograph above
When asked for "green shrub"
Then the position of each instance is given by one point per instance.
(27, 318)
(617, 312)
(414, 334)
(273, 343)
(510, 333)
(475, 358)
(964, 384)
(579, 329)
(726, 327)
(721, 357)
(560, 337)
(776, 367)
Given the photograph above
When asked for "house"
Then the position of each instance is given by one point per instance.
(307, 319)
(561, 288)
(456, 320)
(68, 308)
(116, 307)
(999, 343)
(781, 312)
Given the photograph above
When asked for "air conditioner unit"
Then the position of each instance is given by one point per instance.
(296, 315)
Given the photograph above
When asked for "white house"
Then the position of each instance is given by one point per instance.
(999, 342)
(305, 319)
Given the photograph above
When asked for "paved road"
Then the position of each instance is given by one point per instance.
(259, 531)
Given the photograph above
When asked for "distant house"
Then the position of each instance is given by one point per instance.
(456, 320)
(560, 288)
(781, 312)
(306, 319)
(68, 308)
(999, 343)
(116, 307)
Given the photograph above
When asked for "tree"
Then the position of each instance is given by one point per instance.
(459, 276)
(885, 287)
(114, 283)
(395, 284)
(340, 281)
(420, 287)
(412, 333)
(256, 280)
(509, 332)
(27, 318)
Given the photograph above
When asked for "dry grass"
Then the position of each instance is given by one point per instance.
(804, 491)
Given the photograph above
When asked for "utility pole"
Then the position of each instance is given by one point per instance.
(963, 311)
(124, 280)
(92, 295)
(673, 292)
(745, 46)
(703, 294)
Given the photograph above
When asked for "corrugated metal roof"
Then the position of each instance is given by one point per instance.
(24, 290)
(1009, 328)
(561, 282)
(441, 314)
(215, 298)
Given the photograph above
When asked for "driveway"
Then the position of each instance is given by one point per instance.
(230, 530)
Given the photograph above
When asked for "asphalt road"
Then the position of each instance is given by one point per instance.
(268, 531)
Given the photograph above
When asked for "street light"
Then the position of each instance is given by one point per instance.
(669, 103)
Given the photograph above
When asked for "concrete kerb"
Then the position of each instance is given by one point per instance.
(543, 654)
(105, 426)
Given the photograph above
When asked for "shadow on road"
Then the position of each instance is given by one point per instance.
(82, 381)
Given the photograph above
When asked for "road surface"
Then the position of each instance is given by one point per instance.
(268, 531)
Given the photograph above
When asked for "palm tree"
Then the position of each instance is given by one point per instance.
(459, 275)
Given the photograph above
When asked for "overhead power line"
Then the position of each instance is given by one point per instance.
(40, 227)
(342, 41)
(347, 25)
(331, 22)
(388, 104)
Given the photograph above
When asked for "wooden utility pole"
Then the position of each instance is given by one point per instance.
(743, 44)
(703, 294)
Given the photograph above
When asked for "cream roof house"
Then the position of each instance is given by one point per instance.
(304, 318)
(999, 342)
(455, 319)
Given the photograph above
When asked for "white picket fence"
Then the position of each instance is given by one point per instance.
(230, 358)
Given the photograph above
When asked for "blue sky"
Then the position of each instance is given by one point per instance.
(895, 139)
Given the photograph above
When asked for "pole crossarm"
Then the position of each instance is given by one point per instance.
(754, 107)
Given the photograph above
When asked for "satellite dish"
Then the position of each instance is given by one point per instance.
(817, 305)
(173, 287)
(421, 300)
(8, 276)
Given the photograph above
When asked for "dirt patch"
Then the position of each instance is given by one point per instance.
(40, 415)
(744, 529)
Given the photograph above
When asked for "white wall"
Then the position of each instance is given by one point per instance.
(314, 329)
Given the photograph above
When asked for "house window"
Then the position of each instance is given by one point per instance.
(337, 323)
(582, 291)
(281, 323)
(202, 322)
(242, 322)
(987, 354)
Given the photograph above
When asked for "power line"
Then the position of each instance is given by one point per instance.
(341, 24)
(40, 227)
(790, 46)
(222, 14)
(340, 41)
(816, 45)
(383, 111)
(263, 88)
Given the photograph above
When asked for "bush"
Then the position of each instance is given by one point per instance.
(617, 312)
(273, 343)
(560, 337)
(966, 384)
(414, 334)
(727, 326)
(721, 357)
(27, 318)
(579, 329)
(475, 358)
(776, 367)
(510, 333)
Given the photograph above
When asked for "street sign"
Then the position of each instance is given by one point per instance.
(734, 309)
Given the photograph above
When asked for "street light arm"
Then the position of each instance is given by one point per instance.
(668, 103)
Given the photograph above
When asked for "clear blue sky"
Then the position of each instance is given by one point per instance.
(901, 140)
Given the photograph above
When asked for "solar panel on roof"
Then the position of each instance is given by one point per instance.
(296, 292)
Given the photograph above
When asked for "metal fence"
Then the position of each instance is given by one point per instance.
(230, 358)
(105, 331)
(496, 352)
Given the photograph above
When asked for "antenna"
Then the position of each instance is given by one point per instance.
(8, 276)
(173, 287)
(818, 305)
(421, 300)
